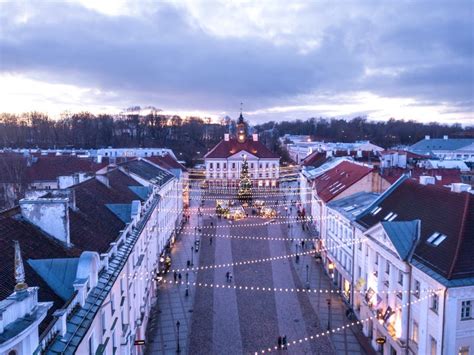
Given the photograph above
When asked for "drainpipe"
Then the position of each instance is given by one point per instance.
(353, 267)
(409, 308)
(444, 319)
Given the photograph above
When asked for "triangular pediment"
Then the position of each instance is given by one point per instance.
(240, 156)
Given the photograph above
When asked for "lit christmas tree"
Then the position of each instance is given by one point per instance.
(245, 185)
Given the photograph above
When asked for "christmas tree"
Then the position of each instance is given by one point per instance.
(245, 185)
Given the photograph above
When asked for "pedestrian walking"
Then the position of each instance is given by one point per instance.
(210, 241)
(175, 275)
(179, 277)
(302, 244)
(284, 342)
(227, 274)
(280, 342)
(230, 277)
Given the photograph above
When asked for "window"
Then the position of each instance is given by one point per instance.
(103, 322)
(416, 289)
(359, 272)
(376, 258)
(414, 332)
(463, 350)
(218, 165)
(400, 278)
(466, 310)
(433, 346)
(251, 165)
(360, 246)
(387, 267)
(112, 305)
(367, 251)
(225, 165)
(434, 301)
(210, 165)
(114, 343)
(91, 345)
(233, 165)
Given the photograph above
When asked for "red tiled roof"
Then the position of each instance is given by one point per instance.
(439, 210)
(410, 155)
(166, 162)
(448, 176)
(48, 168)
(315, 159)
(338, 179)
(225, 149)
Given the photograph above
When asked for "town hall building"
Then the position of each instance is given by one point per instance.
(224, 161)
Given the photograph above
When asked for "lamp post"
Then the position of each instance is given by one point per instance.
(178, 350)
(329, 313)
(307, 276)
(192, 256)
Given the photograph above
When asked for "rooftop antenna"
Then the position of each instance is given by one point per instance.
(241, 105)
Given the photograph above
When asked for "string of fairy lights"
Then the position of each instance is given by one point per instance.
(151, 274)
(285, 289)
(345, 326)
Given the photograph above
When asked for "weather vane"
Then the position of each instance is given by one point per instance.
(241, 104)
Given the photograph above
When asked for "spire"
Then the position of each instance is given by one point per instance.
(241, 117)
(19, 270)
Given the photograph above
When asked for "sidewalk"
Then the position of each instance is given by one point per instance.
(172, 304)
(348, 341)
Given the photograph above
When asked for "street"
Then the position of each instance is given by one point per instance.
(230, 320)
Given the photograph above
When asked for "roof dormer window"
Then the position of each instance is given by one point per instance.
(376, 210)
(436, 238)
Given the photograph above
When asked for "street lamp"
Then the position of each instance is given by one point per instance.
(329, 313)
(192, 256)
(307, 276)
(178, 350)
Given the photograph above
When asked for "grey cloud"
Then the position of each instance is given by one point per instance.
(162, 59)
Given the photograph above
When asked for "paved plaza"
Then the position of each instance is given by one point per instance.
(214, 320)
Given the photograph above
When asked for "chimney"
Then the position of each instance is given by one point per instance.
(460, 187)
(99, 159)
(226, 137)
(255, 137)
(427, 137)
(359, 153)
(51, 215)
(103, 178)
(427, 180)
(445, 137)
(329, 153)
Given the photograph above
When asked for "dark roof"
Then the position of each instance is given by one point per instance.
(338, 179)
(403, 236)
(94, 225)
(446, 176)
(410, 155)
(34, 245)
(225, 149)
(439, 211)
(147, 171)
(166, 162)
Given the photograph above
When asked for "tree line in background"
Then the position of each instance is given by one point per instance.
(390, 133)
(192, 137)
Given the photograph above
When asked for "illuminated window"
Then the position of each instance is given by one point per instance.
(433, 346)
(463, 350)
(415, 333)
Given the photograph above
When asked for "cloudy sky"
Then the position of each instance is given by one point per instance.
(402, 59)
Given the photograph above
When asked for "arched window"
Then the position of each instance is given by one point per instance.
(12, 352)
